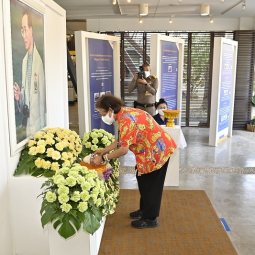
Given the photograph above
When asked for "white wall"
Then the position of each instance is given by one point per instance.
(5, 221)
(246, 24)
(179, 24)
(56, 78)
(162, 24)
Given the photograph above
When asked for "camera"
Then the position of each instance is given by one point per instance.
(141, 74)
(26, 115)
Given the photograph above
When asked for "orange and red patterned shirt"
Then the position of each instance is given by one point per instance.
(149, 142)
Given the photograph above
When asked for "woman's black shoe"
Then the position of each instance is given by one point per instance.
(143, 223)
(136, 215)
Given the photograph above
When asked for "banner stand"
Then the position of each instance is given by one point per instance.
(167, 54)
(223, 90)
(98, 73)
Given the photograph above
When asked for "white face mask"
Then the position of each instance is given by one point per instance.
(107, 119)
(147, 74)
(160, 111)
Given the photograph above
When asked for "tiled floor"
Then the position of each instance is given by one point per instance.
(233, 195)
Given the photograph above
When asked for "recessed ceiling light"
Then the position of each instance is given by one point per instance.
(129, 1)
(222, 1)
(140, 20)
(211, 20)
(204, 9)
(170, 21)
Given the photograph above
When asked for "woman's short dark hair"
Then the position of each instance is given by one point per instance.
(106, 102)
(161, 101)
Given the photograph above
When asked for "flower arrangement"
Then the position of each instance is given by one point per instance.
(49, 150)
(251, 125)
(95, 140)
(74, 198)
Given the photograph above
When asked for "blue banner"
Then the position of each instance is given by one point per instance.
(101, 77)
(225, 87)
(169, 73)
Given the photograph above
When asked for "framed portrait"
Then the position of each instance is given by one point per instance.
(25, 69)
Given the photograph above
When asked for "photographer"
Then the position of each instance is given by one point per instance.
(147, 86)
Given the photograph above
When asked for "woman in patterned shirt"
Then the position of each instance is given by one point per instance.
(152, 146)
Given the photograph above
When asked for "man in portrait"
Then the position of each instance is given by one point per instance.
(30, 97)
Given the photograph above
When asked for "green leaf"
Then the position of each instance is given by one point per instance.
(80, 216)
(46, 183)
(37, 172)
(43, 207)
(56, 224)
(46, 217)
(98, 214)
(75, 222)
(48, 174)
(91, 224)
(55, 215)
(21, 167)
(66, 230)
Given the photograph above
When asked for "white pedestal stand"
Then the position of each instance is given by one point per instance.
(29, 236)
(172, 175)
(81, 243)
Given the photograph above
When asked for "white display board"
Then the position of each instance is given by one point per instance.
(167, 54)
(223, 90)
(98, 73)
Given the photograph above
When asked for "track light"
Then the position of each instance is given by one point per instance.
(140, 20)
(211, 20)
(243, 5)
(204, 9)
(143, 9)
(114, 2)
(170, 21)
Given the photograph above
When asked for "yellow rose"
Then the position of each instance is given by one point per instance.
(56, 155)
(38, 163)
(46, 164)
(31, 143)
(72, 160)
(41, 142)
(49, 152)
(37, 136)
(65, 143)
(54, 166)
(59, 146)
(58, 139)
(64, 156)
(71, 146)
(40, 149)
(66, 163)
(32, 151)
(50, 141)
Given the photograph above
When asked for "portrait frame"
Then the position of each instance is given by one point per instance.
(17, 142)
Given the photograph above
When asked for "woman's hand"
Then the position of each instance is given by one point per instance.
(97, 160)
(100, 152)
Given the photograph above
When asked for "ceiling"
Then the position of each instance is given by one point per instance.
(104, 9)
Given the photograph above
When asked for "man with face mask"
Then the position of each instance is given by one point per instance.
(146, 90)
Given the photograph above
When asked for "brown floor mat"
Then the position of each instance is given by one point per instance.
(188, 222)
